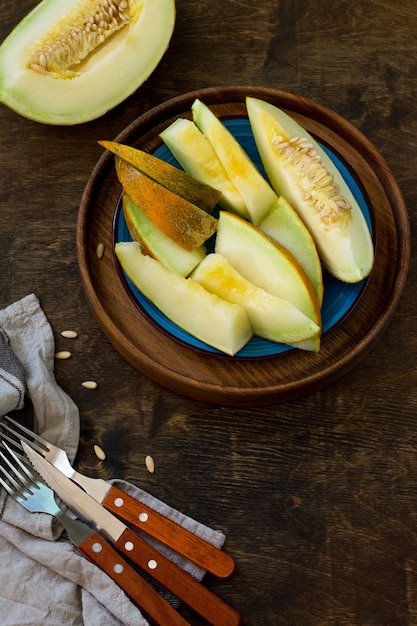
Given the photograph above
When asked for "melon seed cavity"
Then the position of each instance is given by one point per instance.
(77, 34)
(314, 179)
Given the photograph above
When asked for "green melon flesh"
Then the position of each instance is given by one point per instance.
(156, 243)
(91, 76)
(271, 318)
(285, 226)
(313, 185)
(216, 322)
(255, 190)
(266, 264)
(196, 156)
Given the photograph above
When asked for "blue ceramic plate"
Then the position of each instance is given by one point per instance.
(339, 297)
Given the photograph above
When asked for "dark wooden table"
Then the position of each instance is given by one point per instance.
(317, 496)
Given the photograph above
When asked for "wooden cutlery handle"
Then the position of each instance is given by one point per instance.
(176, 580)
(150, 602)
(168, 532)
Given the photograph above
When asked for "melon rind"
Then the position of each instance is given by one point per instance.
(156, 243)
(174, 179)
(107, 77)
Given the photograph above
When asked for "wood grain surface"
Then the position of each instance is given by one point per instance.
(317, 495)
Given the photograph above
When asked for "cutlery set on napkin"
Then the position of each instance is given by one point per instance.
(136, 545)
(94, 503)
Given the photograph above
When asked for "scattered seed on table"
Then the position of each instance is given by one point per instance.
(63, 354)
(100, 250)
(99, 452)
(150, 464)
(69, 334)
(89, 384)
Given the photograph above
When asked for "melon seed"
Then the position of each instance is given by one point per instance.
(99, 452)
(150, 463)
(63, 354)
(85, 26)
(89, 384)
(69, 334)
(100, 250)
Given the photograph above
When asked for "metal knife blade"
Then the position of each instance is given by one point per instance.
(175, 579)
(145, 518)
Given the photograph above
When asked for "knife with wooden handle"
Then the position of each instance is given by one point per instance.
(154, 607)
(135, 512)
(170, 575)
(176, 537)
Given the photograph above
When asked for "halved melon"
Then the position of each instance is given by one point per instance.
(301, 171)
(68, 62)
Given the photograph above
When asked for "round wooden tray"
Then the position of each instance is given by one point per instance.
(226, 380)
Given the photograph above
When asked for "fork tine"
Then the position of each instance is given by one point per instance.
(25, 486)
(17, 444)
(14, 488)
(31, 438)
(21, 479)
(28, 474)
(5, 474)
(4, 438)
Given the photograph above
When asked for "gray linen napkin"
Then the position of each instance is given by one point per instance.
(43, 578)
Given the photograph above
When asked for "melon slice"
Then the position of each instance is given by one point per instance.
(268, 265)
(68, 62)
(255, 190)
(271, 318)
(212, 320)
(300, 170)
(156, 243)
(285, 226)
(195, 154)
(188, 225)
(165, 174)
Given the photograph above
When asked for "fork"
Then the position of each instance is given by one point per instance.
(26, 488)
(133, 511)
